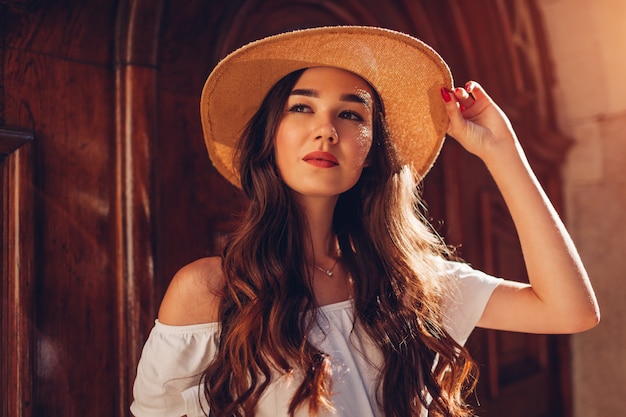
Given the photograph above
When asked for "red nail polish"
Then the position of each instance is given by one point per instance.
(445, 95)
(462, 107)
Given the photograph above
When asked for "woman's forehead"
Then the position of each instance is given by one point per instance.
(317, 80)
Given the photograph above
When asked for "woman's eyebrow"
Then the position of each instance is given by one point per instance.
(304, 92)
(361, 97)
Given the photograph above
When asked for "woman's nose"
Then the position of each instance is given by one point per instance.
(326, 130)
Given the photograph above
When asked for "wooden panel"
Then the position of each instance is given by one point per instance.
(76, 289)
(76, 30)
(68, 104)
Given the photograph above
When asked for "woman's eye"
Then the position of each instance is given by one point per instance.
(350, 115)
(299, 108)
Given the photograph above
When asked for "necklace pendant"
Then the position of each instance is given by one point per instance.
(328, 272)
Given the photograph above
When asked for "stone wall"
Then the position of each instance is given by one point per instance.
(588, 46)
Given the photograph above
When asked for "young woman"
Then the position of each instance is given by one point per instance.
(335, 297)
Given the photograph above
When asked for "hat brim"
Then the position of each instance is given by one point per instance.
(407, 74)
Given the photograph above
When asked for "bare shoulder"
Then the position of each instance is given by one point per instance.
(193, 294)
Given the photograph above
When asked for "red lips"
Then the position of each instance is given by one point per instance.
(321, 159)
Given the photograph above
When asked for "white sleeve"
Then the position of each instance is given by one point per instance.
(168, 373)
(464, 305)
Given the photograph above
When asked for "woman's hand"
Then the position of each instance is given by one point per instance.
(476, 122)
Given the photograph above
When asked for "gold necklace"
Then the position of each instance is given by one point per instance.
(328, 272)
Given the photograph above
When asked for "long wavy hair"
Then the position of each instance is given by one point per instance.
(389, 250)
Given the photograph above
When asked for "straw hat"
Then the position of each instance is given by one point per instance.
(407, 73)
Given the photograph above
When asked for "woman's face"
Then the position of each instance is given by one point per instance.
(325, 132)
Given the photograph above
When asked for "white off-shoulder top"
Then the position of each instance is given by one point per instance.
(173, 357)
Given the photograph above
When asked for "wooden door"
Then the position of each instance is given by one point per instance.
(116, 192)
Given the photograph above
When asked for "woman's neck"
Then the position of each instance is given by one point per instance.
(319, 217)
(330, 282)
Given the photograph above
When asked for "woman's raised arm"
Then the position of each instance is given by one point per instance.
(559, 298)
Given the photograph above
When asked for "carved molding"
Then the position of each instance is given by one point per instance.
(138, 23)
(11, 139)
(17, 262)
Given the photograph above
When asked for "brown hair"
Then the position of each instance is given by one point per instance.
(389, 250)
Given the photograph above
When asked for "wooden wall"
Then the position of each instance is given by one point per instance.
(107, 189)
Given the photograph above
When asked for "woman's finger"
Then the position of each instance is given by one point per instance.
(465, 99)
(453, 108)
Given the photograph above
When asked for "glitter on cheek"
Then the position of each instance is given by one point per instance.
(364, 139)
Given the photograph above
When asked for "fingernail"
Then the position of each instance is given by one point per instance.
(462, 107)
(445, 95)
